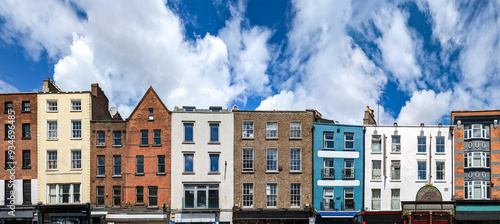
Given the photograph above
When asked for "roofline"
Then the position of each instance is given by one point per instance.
(408, 126)
(332, 124)
(487, 110)
(272, 111)
(142, 99)
(107, 121)
(65, 92)
(19, 93)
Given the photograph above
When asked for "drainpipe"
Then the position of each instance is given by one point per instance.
(430, 159)
(363, 188)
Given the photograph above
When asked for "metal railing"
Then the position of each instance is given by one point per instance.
(348, 206)
(348, 173)
(200, 203)
(328, 173)
(327, 205)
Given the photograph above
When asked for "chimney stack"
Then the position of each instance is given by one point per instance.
(369, 118)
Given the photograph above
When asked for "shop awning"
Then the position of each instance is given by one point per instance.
(338, 215)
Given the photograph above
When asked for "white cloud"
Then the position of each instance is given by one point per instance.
(7, 88)
(39, 26)
(425, 106)
(398, 47)
(330, 66)
(445, 27)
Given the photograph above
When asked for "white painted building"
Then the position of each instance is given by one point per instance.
(202, 165)
(400, 160)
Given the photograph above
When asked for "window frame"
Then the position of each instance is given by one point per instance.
(117, 196)
(26, 134)
(214, 131)
(374, 177)
(152, 197)
(396, 168)
(396, 146)
(99, 165)
(247, 198)
(421, 144)
(49, 160)
(160, 168)
(139, 165)
(49, 131)
(271, 133)
(73, 106)
(294, 130)
(157, 137)
(374, 200)
(272, 162)
(247, 133)
(348, 140)
(325, 140)
(187, 155)
(144, 139)
(378, 140)
(117, 166)
(73, 130)
(442, 171)
(294, 162)
(393, 199)
(294, 195)
(50, 108)
(268, 195)
(348, 191)
(439, 145)
(331, 204)
(115, 139)
(217, 155)
(141, 195)
(24, 107)
(73, 159)
(246, 160)
(484, 131)
(421, 173)
(26, 164)
(150, 114)
(185, 125)
(100, 140)
(100, 196)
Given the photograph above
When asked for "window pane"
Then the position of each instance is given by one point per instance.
(295, 161)
(214, 163)
(188, 132)
(188, 163)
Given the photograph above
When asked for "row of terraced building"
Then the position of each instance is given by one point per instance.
(69, 158)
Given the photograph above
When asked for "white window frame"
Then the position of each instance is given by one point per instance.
(394, 199)
(243, 160)
(484, 131)
(72, 104)
(438, 145)
(419, 170)
(396, 146)
(294, 130)
(271, 130)
(484, 187)
(71, 160)
(247, 133)
(293, 157)
(346, 191)
(251, 193)
(56, 131)
(394, 167)
(72, 130)
(378, 140)
(346, 168)
(50, 108)
(332, 197)
(421, 145)
(268, 150)
(346, 140)
(293, 196)
(269, 194)
(484, 159)
(374, 176)
(58, 194)
(328, 140)
(48, 159)
(376, 200)
(442, 171)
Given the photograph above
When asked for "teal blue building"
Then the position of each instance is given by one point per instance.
(338, 172)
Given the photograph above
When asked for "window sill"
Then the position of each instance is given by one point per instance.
(394, 180)
(156, 145)
(51, 111)
(247, 172)
(272, 172)
(297, 138)
(52, 139)
(271, 138)
(139, 174)
(372, 152)
(440, 181)
(26, 167)
(116, 176)
(188, 142)
(421, 181)
(100, 176)
(243, 138)
(295, 171)
(150, 120)
(396, 152)
(24, 138)
(213, 173)
(76, 138)
(116, 146)
(161, 174)
(375, 180)
(440, 153)
(143, 145)
(75, 110)
(214, 143)
(188, 173)
(75, 169)
(100, 146)
(329, 149)
(348, 149)
(51, 170)
(26, 112)
(421, 153)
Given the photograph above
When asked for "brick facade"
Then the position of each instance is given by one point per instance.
(108, 150)
(138, 121)
(284, 177)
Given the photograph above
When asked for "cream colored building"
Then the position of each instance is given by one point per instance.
(63, 145)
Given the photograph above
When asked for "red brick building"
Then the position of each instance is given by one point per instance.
(23, 145)
(146, 163)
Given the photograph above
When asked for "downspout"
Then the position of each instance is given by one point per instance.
(430, 159)
(452, 155)
(384, 158)
(364, 176)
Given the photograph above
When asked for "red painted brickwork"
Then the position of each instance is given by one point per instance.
(20, 143)
(108, 181)
(139, 120)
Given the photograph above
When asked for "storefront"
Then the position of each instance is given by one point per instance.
(347, 217)
(70, 213)
(138, 215)
(385, 217)
(477, 211)
(273, 217)
(23, 214)
(428, 208)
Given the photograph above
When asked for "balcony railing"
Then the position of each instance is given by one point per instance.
(348, 173)
(348, 206)
(200, 203)
(328, 173)
(327, 205)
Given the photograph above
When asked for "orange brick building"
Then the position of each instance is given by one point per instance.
(477, 165)
(146, 163)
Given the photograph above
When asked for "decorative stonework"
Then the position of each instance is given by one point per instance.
(428, 193)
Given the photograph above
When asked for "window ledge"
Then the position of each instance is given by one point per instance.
(247, 171)
(243, 138)
(156, 145)
(116, 146)
(213, 173)
(116, 176)
(297, 138)
(214, 143)
(188, 173)
(141, 145)
(51, 111)
(139, 204)
(440, 153)
(396, 152)
(100, 146)
(76, 169)
(349, 149)
(394, 180)
(329, 149)
(273, 172)
(139, 174)
(26, 167)
(24, 138)
(295, 171)
(51, 170)
(29, 111)
(272, 138)
(76, 138)
(188, 142)
(440, 181)
(376, 152)
(75, 110)
(421, 181)
(161, 174)
(375, 180)
(100, 176)
(421, 153)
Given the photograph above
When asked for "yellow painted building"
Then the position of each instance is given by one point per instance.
(63, 145)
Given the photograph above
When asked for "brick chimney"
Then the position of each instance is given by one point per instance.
(369, 118)
(100, 100)
(49, 86)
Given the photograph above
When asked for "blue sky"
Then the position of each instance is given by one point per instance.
(419, 59)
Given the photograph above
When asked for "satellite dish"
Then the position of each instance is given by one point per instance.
(113, 111)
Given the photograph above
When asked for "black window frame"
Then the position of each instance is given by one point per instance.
(157, 137)
(23, 110)
(139, 194)
(144, 139)
(139, 165)
(117, 139)
(161, 164)
(103, 166)
(117, 166)
(26, 159)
